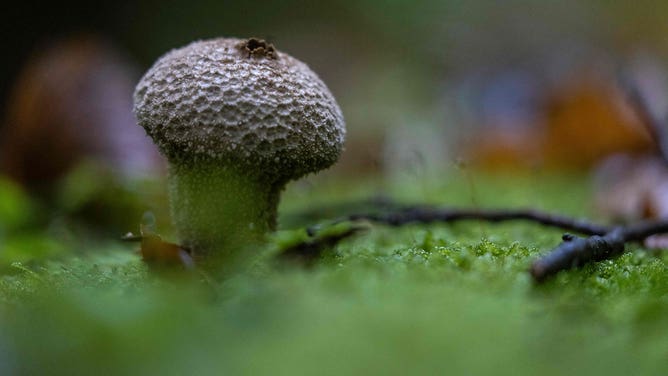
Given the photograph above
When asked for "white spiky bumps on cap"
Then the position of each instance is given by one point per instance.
(237, 120)
(244, 102)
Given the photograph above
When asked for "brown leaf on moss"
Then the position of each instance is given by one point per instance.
(156, 252)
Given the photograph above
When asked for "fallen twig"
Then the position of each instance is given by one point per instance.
(574, 251)
(602, 242)
(311, 249)
(425, 214)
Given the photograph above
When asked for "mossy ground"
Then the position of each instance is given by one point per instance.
(436, 299)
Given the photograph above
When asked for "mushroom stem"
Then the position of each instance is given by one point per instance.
(219, 211)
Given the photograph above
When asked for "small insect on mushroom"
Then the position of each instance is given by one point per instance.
(156, 252)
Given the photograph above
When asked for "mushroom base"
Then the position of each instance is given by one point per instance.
(221, 213)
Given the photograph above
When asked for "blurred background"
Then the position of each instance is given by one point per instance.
(426, 87)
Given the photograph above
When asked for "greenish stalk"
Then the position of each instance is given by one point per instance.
(221, 213)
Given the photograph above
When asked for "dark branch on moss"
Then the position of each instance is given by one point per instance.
(425, 214)
(310, 250)
(575, 251)
(601, 241)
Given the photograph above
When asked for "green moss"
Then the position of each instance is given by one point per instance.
(450, 299)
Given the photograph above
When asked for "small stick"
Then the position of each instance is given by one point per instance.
(602, 242)
(574, 251)
(640, 231)
(423, 214)
(308, 251)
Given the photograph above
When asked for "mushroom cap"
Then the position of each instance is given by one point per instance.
(240, 102)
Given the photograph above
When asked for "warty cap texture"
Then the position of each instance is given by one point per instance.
(242, 102)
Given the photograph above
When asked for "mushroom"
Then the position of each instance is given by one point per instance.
(236, 120)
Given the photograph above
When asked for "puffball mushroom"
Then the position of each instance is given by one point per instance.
(236, 120)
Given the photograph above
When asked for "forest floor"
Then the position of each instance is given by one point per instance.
(416, 299)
